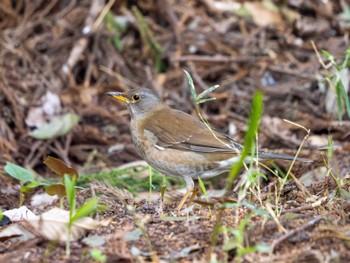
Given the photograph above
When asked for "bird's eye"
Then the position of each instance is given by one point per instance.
(136, 97)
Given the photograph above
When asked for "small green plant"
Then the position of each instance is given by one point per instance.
(98, 256)
(333, 75)
(26, 179)
(249, 138)
(340, 182)
(237, 240)
(61, 169)
(88, 208)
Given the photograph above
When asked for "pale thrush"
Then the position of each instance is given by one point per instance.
(177, 144)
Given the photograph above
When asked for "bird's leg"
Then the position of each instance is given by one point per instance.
(183, 200)
(189, 187)
(195, 192)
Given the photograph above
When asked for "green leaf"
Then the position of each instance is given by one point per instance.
(113, 27)
(205, 100)
(70, 191)
(58, 126)
(327, 54)
(345, 97)
(339, 104)
(202, 186)
(18, 172)
(86, 209)
(190, 83)
(207, 91)
(249, 138)
(344, 194)
(29, 187)
(59, 167)
(98, 256)
(246, 250)
(148, 38)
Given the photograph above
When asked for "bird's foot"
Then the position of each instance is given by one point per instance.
(194, 192)
(184, 199)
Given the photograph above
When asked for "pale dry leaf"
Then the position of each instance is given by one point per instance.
(19, 214)
(42, 200)
(53, 225)
(15, 231)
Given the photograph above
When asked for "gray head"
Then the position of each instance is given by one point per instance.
(139, 101)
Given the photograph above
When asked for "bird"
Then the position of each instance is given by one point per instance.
(178, 144)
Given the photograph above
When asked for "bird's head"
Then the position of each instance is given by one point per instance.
(139, 101)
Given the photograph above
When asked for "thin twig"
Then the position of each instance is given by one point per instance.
(293, 232)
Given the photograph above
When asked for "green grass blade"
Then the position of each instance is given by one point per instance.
(249, 139)
(192, 88)
(339, 104)
(88, 208)
(344, 96)
(207, 91)
(205, 100)
(70, 191)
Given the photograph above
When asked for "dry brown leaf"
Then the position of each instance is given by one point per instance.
(53, 225)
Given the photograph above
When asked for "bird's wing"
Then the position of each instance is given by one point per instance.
(179, 130)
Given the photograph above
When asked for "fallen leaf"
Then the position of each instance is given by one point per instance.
(53, 225)
(19, 214)
(59, 126)
(42, 200)
(59, 167)
(15, 231)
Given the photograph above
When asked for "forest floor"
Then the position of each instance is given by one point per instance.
(60, 57)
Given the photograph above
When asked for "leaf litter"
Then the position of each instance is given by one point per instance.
(55, 63)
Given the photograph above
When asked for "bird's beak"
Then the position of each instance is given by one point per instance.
(118, 95)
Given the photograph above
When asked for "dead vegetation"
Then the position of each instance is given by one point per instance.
(59, 57)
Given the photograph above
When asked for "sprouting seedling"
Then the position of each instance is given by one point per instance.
(237, 240)
(68, 188)
(89, 207)
(25, 177)
(334, 78)
(340, 182)
(198, 99)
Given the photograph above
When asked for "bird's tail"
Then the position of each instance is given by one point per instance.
(268, 156)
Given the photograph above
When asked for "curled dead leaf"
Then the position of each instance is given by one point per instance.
(59, 167)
